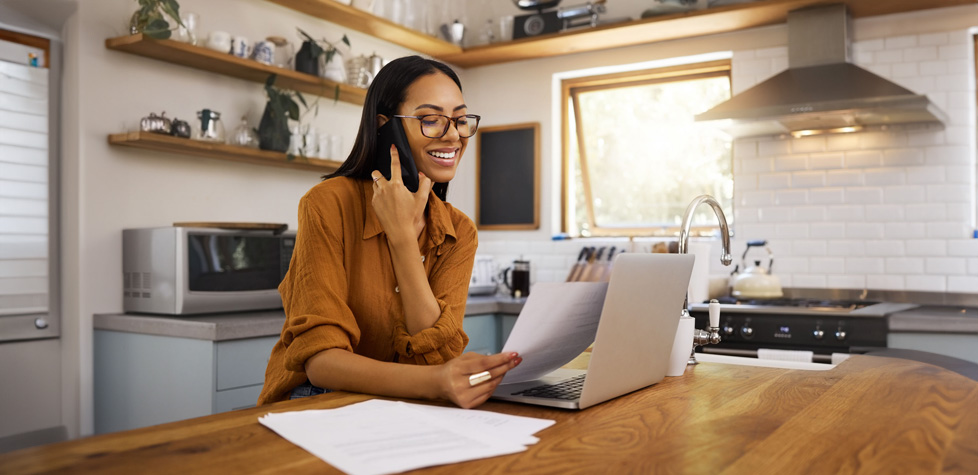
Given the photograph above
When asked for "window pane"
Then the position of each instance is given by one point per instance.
(647, 158)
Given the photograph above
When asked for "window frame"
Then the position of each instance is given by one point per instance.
(570, 89)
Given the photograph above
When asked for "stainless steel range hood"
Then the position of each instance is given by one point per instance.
(821, 92)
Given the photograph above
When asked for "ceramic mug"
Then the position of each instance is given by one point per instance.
(240, 47)
(219, 41)
(264, 52)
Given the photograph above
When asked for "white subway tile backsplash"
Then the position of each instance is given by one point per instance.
(755, 231)
(957, 173)
(926, 247)
(920, 53)
(948, 230)
(863, 158)
(904, 265)
(771, 181)
(779, 64)
(817, 161)
(884, 248)
(774, 214)
(927, 283)
(826, 196)
(808, 179)
(960, 212)
(809, 247)
(808, 144)
(773, 52)
(790, 265)
(885, 176)
(953, 51)
(932, 68)
(885, 282)
(959, 99)
(940, 38)
(955, 67)
(847, 281)
(878, 67)
(926, 212)
(791, 197)
(959, 135)
(865, 230)
(827, 265)
(903, 157)
(949, 193)
(963, 247)
(790, 162)
(835, 142)
(888, 56)
(865, 266)
(744, 148)
(756, 165)
(903, 70)
(884, 213)
(946, 266)
(939, 99)
(951, 83)
(973, 265)
(924, 138)
(827, 230)
(844, 177)
(846, 248)
(962, 283)
(898, 42)
(792, 231)
(868, 196)
(904, 194)
(877, 44)
(905, 230)
(925, 175)
(769, 148)
(757, 198)
(808, 281)
(762, 66)
(959, 116)
(744, 182)
(846, 213)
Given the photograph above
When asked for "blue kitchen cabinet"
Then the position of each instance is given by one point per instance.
(488, 333)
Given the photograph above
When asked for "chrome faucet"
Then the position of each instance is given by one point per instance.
(712, 334)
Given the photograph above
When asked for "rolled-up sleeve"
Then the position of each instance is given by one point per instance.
(449, 281)
(315, 289)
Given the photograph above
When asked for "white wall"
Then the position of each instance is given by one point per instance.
(867, 210)
(107, 189)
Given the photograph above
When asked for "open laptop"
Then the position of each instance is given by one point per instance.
(634, 338)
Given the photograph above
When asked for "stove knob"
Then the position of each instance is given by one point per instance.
(840, 335)
(728, 329)
(746, 331)
(818, 333)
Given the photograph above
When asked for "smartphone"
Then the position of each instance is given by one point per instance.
(392, 133)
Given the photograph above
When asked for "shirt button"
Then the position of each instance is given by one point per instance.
(397, 290)
(422, 258)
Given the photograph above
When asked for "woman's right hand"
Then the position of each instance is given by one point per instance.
(455, 374)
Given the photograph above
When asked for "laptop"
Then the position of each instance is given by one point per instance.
(634, 337)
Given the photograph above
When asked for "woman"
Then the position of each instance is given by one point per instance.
(376, 289)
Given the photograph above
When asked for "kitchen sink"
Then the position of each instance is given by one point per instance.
(745, 361)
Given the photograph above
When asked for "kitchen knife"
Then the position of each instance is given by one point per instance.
(576, 268)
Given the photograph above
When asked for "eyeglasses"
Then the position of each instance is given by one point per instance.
(435, 126)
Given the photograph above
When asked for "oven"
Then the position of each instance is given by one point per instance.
(829, 325)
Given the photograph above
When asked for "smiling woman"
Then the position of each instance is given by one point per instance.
(363, 312)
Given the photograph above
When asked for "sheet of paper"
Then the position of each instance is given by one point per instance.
(520, 429)
(557, 323)
(379, 437)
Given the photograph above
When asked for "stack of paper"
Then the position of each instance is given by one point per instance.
(378, 437)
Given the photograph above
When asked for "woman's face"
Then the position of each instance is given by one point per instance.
(434, 94)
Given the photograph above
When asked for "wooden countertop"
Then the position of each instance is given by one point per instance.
(870, 414)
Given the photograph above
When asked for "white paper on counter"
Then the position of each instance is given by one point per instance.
(380, 437)
(557, 323)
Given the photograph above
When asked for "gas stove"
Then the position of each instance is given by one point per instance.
(820, 324)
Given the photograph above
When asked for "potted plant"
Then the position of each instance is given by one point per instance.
(273, 130)
(151, 21)
(315, 52)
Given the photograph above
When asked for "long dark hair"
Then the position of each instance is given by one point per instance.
(385, 96)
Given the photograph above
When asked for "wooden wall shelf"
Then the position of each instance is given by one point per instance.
(167, 143)
(716, 20)
(209, 60)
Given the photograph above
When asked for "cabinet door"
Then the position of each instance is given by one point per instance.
(956, 345)
(482, 333)
(242, 362)
(506, 323)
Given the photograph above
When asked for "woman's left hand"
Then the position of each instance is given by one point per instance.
(401, 213)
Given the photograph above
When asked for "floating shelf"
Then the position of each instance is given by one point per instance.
(229, 65)
(674, 26)
(221, 151)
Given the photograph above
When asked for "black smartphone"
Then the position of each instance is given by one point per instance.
(392, 133)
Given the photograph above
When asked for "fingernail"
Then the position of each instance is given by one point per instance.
(513, 355)
(518, 361)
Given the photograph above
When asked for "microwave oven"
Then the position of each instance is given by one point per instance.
(185, 270)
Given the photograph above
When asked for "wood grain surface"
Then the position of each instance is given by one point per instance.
(868, 415)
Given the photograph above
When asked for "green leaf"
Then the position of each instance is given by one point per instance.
(289, 157)
(346, 40)
(336, 94)
(158, 29)
(301, 99)
(293, 110)
(306, 36)
(172, 8)
(270, 81)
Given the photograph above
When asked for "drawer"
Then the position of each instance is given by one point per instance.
(240, 398)
(242, 362)
(481, 330)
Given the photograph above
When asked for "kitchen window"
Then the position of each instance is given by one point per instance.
(633, 156)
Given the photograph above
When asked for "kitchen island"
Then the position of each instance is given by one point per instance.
(869, 414)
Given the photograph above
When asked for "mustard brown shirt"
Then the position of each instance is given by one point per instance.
(341, 292)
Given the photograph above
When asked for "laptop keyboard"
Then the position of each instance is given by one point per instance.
(568, 389)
